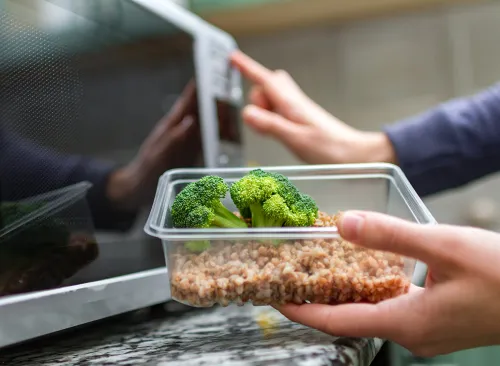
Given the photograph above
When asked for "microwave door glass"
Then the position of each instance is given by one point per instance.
(82, 80)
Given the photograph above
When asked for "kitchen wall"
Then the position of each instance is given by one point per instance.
(376, 72)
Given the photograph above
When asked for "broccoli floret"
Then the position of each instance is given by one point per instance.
(199, 205)
(276, 211)
(271, 200)
(249, 193)
(304, 212)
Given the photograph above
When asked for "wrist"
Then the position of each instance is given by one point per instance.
(365, 147)
(378, 148)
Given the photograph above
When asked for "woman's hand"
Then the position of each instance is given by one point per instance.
(459, 308)
(280, 109)
(175, 142)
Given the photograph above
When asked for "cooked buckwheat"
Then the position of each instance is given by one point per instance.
(326, 271)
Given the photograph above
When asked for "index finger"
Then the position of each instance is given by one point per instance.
(250, 68)
(185, 104)
(383, 320)
(188, 97)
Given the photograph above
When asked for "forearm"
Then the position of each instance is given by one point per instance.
(451, 145)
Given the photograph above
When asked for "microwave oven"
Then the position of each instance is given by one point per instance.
(90, 79)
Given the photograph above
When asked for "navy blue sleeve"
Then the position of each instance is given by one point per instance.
(450, 145)
(28, 169)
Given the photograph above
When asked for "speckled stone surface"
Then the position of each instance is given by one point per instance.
(219, 336)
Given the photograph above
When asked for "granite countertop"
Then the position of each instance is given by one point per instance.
(218, 336)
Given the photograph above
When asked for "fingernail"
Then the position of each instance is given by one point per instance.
(351, 225)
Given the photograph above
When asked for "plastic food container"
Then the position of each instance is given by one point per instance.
(268, 266)
(45, 240)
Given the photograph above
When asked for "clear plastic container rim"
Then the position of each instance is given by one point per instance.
(182, 234)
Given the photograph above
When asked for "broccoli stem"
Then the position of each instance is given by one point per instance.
(197, 246)
(226, 219)
(260, 219)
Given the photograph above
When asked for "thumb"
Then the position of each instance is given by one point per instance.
(270, 123)
(386, 233)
